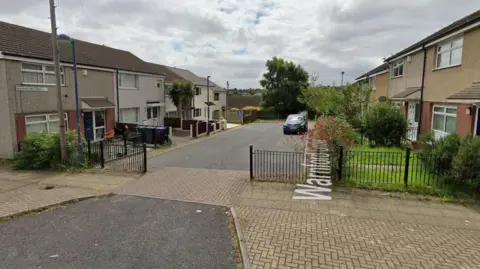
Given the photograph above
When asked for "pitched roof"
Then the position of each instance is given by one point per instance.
(375, 70)
(16, 40)
(404, 94)
(170, 76)
(465, 21)
(190, 76)
(471, 93)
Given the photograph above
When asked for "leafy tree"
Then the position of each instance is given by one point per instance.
(349, 102)
(327, 100)
(283, 83)
(181, 94)
(252, 91)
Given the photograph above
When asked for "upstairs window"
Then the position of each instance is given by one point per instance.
(198, 91)
(397, 69)
(373, 82)
(450, 53)
(127, 81)
(216, 96)
(38, 74)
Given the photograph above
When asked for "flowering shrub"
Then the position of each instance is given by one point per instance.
(335, 131)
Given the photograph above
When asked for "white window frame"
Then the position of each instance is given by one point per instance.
(396, 65)
(374, 83)
(95, 127)
(46, 121)
(44, 72)
(122, 116)
(199, 110)
(445, 114)
(199, 91)
(449, 48)
(120, 86)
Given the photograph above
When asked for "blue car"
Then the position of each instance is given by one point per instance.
(295, 124)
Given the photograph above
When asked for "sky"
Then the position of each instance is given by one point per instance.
(232, 40)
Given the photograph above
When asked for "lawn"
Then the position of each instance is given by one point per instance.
(392, 179)
(376, 156)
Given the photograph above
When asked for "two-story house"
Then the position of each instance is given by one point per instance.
(28, 97)
(206, 96)
(377, 79)
(436, 79)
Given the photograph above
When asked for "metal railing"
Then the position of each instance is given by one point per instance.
(130, 153)
(285, 166)
(402, 168)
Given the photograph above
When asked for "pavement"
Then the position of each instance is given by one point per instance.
(120, 232)
(352, 230)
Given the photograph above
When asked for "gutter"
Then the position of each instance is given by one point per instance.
(422, 87)
(118, 96)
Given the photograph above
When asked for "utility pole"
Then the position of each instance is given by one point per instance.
(208, 105)
(61, 115)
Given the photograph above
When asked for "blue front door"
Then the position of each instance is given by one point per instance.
(88, 125)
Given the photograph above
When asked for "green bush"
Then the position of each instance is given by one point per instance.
(466, 163)
(41, 151)
(385, 126)
(438, 154)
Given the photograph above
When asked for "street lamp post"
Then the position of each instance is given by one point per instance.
(208, 105)
(342, 77)
(64, 37)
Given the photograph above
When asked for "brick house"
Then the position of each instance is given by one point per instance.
(28, 100)
(377, 79)
(436, 80)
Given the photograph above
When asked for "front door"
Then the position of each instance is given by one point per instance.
(88, 125)
(94, 125)
(153, 116)
(413, 116)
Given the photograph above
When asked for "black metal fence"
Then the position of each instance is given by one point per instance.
(285, 166)
(128, 153)
(403, 168)
(410, 135)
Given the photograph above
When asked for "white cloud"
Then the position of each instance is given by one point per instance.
(324, 36)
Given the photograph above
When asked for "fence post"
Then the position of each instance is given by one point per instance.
(125, 144)
(407, 164)
(102, 157)
(251, 162)
(144, 170)
(340, 163)
(89, 151)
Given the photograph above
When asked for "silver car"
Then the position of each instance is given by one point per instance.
(295, 124)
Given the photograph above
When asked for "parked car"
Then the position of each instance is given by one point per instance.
(295, 124)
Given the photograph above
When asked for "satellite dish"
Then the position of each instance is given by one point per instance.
(382, 99)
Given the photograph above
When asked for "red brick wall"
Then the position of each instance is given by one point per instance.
(404, 107)
(21, 127)
(426, 118)
(465, 123)
(109, 119)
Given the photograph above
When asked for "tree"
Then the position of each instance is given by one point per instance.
(350, 101)
(181, 94)
(252, 91)
(283, 83)
(326, 100)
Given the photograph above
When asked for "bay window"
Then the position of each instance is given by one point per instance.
(38, 74)
(127, 81)
(444, 120)
(450, 53)
(43, 123)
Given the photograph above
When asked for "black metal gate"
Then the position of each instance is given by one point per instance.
(126, 154)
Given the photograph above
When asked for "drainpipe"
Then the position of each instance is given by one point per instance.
(118, 96)
(422, 87)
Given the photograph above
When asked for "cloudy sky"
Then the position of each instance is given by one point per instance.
(232, 39)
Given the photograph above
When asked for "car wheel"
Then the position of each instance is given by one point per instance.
(285, 133)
